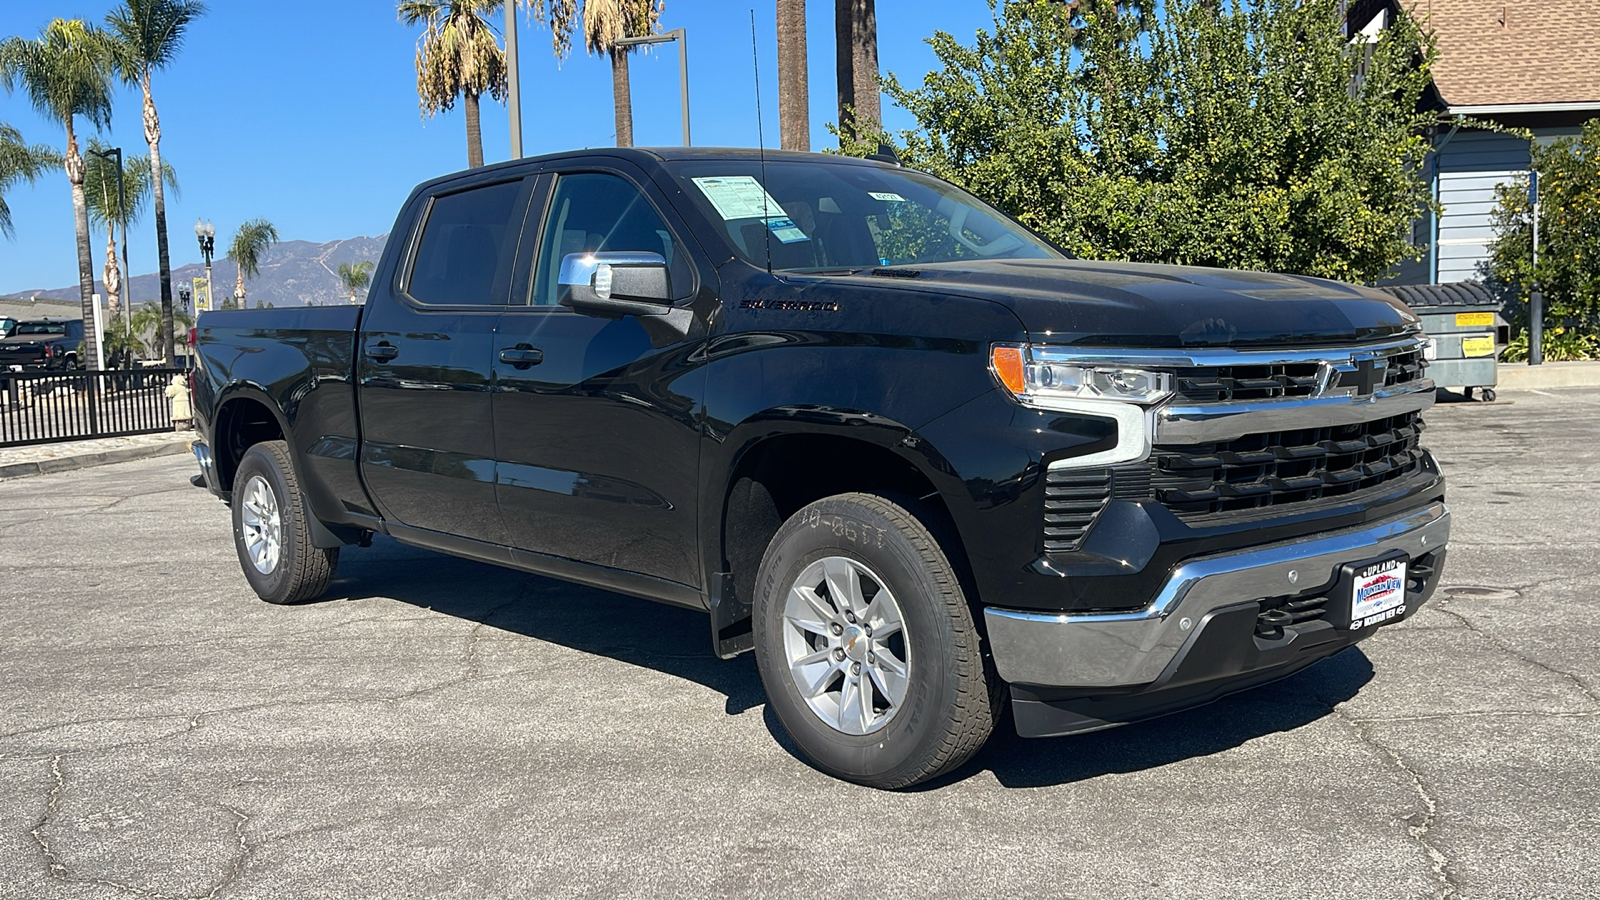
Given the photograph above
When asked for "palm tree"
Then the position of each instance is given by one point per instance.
(66, 72)
(20, 161)
(855, 27)
(356, 277)
(111, 212)
(146, 35)
(794, 95)
(250, 243)
(604, 21)
(145, 327)
(457, 56)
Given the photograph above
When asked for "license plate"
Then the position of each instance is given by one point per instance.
(14, 368)
(1378, 594)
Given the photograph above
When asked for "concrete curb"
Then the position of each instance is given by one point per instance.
(1523, 377)
(179, 444)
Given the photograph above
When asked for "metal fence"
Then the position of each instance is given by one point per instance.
(42, 407)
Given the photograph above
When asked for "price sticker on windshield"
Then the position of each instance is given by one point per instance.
(740, 197)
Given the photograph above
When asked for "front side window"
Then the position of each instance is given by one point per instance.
(467, 244)
(816, 216)
(592, 212)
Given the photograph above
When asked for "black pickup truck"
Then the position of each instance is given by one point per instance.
(919, 460)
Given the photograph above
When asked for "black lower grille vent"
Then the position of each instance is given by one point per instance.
(1073, 499)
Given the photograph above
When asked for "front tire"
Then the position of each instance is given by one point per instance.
(271, 531)
(867, 647)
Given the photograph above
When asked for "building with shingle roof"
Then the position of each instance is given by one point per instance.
(1531, 64)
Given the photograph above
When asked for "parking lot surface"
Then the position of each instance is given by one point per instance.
(440, 728)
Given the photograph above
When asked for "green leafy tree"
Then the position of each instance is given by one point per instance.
(66, 73)
(110, 211)
(1569, 247)
(249, 245)
(145, 38)
(1241, 133)
(355, 278)
(19, 162)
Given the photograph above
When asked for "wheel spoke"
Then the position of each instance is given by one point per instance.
(853, 706)
(819, 656)
(882, 617)
(891, 684)
(886, 660)
(807, 625)
(809, 595)
(844, 584)
(816, 688)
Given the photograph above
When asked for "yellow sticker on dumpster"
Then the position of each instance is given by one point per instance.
(1477, 345)
(1463, 320)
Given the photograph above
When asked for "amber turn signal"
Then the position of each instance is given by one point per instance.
(1006, 363)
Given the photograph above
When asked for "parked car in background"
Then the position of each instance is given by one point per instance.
(42, 344)
(7, 325)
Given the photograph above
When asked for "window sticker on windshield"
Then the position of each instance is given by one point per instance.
(786, 231)
(885, 195)
(739, 197)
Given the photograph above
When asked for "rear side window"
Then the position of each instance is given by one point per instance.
(468, 241)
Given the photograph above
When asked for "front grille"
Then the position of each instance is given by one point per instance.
(1226, 384)
(1073, 499)
(1239, 383)
(1280, 468)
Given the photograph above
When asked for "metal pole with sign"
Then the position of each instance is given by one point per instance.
(1536, 299)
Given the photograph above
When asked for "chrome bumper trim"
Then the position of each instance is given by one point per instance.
(1215, 423)
(1133, 648)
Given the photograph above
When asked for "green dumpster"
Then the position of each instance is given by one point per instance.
(1463, 320)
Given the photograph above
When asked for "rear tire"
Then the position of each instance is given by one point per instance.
(867, 647)
(271, 531)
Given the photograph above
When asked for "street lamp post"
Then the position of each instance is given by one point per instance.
(682, 37)
(206, 234)
(122, 220)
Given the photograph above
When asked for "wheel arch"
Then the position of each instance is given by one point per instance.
(245, 416)
(777, 473)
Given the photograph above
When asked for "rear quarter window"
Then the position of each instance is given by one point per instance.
(464, 254)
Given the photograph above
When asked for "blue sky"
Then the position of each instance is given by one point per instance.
(305, 113)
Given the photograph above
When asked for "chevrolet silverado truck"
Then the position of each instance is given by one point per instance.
(916, 458)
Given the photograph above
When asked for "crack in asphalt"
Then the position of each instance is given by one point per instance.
(59, 870)
(1578, 682)
(1418, 829)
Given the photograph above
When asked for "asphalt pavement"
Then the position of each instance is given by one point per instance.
(438, 728)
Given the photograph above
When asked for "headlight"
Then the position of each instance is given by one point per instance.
(1038, 375)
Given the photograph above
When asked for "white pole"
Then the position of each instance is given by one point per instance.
(99, 337)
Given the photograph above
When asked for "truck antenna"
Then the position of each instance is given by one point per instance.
(761, 145)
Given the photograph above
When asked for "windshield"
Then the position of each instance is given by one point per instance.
(41, 328)
(817, 217)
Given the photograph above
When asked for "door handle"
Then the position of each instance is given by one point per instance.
(383, 351)
(522, 356)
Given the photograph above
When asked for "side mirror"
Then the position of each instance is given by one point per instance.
(619, 283)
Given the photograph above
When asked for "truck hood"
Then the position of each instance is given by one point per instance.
(1138, 305)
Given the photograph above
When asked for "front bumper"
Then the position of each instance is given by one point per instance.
(1152, 658)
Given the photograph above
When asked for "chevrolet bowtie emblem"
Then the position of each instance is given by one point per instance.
(1358, 377)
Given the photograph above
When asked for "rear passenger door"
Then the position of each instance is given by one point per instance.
(427, 449)
(596, 419)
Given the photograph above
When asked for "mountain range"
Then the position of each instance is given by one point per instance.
(293, 273)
